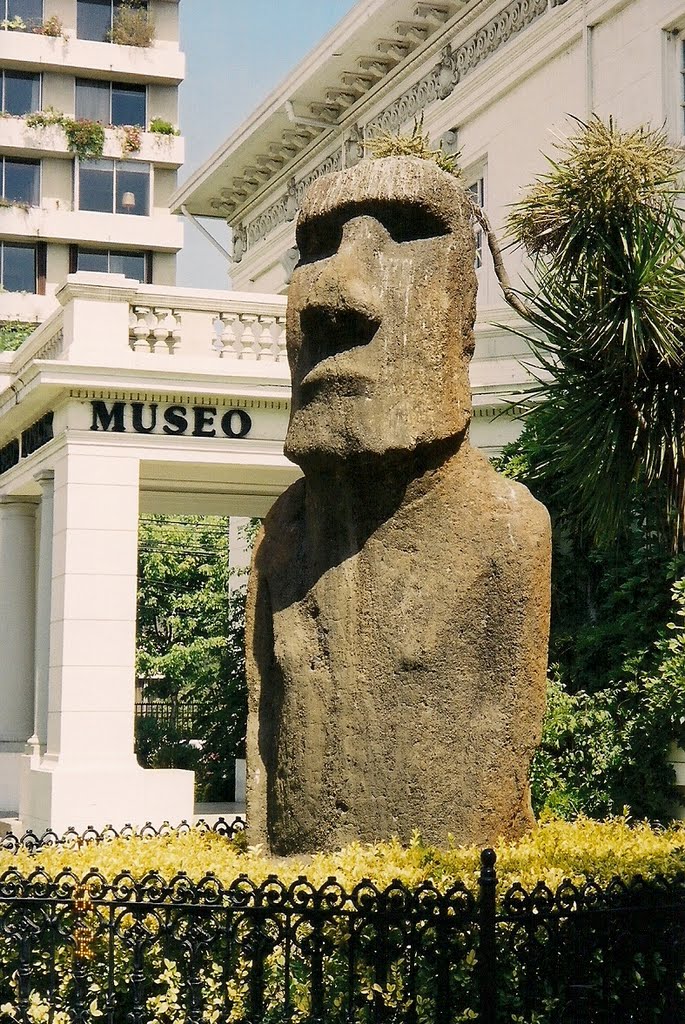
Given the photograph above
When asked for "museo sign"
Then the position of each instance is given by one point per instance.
(172, 420)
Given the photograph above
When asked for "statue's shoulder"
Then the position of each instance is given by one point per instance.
(510, 502)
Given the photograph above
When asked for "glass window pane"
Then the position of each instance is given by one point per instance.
(128, 104)
(133, 188)
(132, 264)
(30, 11)
(22, 181)
(94, 260)
(93, 19)
(22, 93)
(92, 100)
(96, 185)
(19, 268)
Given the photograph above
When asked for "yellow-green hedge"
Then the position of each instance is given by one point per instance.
(552, 852)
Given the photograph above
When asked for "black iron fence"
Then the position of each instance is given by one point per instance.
(138, 950)
(171, 715)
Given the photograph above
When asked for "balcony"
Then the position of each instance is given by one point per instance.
(16, 137)
(160, 64)
(57, 222)
(111, 332)
(116, 325)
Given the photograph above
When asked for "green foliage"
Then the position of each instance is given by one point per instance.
(161, 127)
(609, 601)
(607, 307)
(616, 700)
(604, 178)
(605, 751)
(13, 333)
(84, 138)
(132, 25)
(415, 144)
(190, 646)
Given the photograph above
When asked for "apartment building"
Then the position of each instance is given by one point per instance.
(88, 147)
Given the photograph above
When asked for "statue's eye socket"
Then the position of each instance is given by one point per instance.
(410, 222)
(320, 237)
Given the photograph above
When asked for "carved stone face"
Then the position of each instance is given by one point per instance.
(380, 313)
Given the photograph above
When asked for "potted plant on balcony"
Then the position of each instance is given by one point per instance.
(132, 25)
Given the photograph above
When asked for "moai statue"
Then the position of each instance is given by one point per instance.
(398, 608)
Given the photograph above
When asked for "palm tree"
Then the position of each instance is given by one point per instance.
(604, 233)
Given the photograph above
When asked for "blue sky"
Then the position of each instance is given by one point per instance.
(237, 51)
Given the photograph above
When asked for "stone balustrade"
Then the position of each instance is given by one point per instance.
(110, 321)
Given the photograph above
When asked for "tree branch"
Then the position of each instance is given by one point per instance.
(498, 262)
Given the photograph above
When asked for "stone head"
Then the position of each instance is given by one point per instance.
(380, 313)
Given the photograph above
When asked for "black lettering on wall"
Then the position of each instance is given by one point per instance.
(9, 455)
(108, 419)
(175, 421)
(137, 418)
(203, 418)
(236, 423)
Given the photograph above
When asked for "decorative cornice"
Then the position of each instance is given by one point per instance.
(455, 65)
(438, 84)
(284, 209)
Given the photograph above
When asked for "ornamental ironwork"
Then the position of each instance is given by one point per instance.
(75, 948)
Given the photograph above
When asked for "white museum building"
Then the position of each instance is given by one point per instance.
(133, 395)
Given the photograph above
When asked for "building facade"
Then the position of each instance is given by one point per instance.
(88, 147)
(496, 81)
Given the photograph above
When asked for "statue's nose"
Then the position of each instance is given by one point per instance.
(348, 277)
(363, 232)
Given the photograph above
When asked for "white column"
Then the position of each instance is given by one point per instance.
(17, 567)
(89, 774)
(46, 480)
(239, 553)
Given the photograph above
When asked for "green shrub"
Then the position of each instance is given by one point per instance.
(161, 127)
(13, 333)
(608, 750)
(553, 851)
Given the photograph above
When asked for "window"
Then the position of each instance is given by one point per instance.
(477, 192)
(30, 12)
(20, 92)
(104, 261)
(114, 186)
(94, 18)
(21, 181)
(110, 102)
(18, 264)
